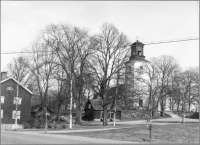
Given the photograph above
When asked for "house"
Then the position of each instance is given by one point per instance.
(94, 110)
(8, 102)
(37, 111)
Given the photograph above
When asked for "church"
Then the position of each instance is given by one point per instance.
(132, 91)
(130, 94)
(134, 66)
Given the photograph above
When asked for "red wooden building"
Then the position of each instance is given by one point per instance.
(8, 105)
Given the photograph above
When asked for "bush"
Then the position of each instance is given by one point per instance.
(195, 115)
(167, 115)
(26, 125)
(29, 123)
(63, 125)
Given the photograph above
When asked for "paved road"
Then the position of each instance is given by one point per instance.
(11, 137)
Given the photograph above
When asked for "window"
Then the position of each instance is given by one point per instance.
(9, 89)
(139, 53)
(1, 113)
(2, 99)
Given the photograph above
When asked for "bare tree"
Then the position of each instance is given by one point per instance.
(108, 59)
(72, 46)
(18, 69)
(157, 79)
(41, 66)
(150, 81)
(191, 75)
(63, 88)
(165, 65)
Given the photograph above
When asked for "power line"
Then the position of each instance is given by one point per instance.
(169, 41)
(146, 43)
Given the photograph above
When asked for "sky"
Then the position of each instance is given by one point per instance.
(148, 20)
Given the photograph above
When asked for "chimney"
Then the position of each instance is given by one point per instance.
(3, 76)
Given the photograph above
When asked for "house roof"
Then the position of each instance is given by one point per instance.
(17, 83)
(37, 107)
(97, 105)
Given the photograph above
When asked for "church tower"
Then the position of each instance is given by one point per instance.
(137, 51)
(134, 67)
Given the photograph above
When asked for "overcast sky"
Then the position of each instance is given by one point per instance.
(150, 21)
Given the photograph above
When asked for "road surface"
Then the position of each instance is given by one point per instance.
(39, 137)
(12, 137)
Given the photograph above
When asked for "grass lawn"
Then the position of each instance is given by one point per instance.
(173, 133)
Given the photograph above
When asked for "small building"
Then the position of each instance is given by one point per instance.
(94, 111)
(37, 111)
(8, 103)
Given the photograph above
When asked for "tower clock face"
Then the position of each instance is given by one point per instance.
(139, 48)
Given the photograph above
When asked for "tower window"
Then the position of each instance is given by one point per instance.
(139, 53)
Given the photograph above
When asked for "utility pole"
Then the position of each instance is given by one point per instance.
(116, 94)
(70, 116)
(45, 119)
(17, 98)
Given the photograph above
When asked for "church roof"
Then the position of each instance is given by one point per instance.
(137, 42)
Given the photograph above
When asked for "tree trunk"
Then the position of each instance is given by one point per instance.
(182, 106)
(154, 110)
(78, 116)
(78, 112)
(189, 99)
(58, 114)
(178, 100)
(170, 103)
(105, 116)
(162, 108)
(178, 103)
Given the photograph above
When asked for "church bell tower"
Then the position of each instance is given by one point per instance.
(137, 51)
(134, 66)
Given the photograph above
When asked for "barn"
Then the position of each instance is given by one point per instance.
(8, 102)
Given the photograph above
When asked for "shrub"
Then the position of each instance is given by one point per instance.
(195, 115)
(26, 125)
(29, 123)
(63, 125)
(167, 115)
(39, 123)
